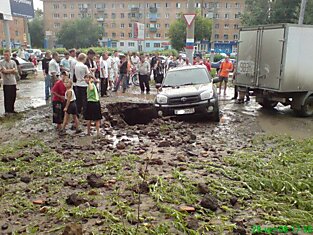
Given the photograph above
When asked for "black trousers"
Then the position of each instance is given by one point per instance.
(104, 86)
(144, 83)
(81, 100)
(9, 92)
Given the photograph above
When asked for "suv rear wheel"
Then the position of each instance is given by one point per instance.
(306, 109)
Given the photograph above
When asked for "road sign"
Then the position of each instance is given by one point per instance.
(189, 18)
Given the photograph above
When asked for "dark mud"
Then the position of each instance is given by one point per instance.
(177, 173)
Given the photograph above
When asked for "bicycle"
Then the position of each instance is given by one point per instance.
(134, 77)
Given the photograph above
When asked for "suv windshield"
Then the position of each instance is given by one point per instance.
(186, 77)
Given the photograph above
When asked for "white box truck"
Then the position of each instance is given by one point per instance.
(276, 63)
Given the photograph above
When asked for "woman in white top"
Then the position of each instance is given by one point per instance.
(81, 70)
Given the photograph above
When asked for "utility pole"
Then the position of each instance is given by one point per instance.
(302, 11)
(7, 34)
(190, 40)
(213, 31)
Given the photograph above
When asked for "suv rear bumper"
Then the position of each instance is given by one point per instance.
(202, 107)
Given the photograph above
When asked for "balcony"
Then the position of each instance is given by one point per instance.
(153, 29)
(153, 9)
(134, 9)
(153, 19)
(100, 19)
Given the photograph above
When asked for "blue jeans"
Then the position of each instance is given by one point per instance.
(123, 79)
(47, 86)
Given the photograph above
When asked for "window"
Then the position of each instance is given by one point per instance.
(64, 6)
(147, 44)
(235, 36)
(122, 35)
(17, 33)
(130, 35)
(122, 5)
(130, 25)
(57, 25)
(113, 6)
(158, 26)
(113, 35)
(72, 15)
(105, 15)
(56, 6)
(237, 5)
(147, 35)
(56, 16)
(226, 26)
(157, 45)
(131, 44)
(114, 44)
(177, 15)
(236, 26)
(167, 5)
(167, 26)
(122, 44)
(226, 16)
(225, 36)
(228, 5)
(157, 35)
(167, 15)
(166, 35)
(122, 15)
(105, 35)
(113, 15)
(197, 5)
(216, 36)
(217, 26)
(178, 5)
(237, 16)
(15, 22)
(113, 25)
(122, 26)
(217, 16)
(72, 6)
(65, 16)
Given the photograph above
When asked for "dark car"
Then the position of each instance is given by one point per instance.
(187, 91)
(26, 68)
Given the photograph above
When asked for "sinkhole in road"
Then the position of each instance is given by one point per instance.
(132, 113)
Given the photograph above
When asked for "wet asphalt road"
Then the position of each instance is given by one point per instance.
(280, 121)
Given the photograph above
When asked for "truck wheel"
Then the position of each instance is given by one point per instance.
(268, 104)
(306, 109)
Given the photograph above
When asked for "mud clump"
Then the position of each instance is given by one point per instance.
(209, 202)
(203, 188)
(141, 188)
(192, 223)
(95, 181)
(73, 229)
(26, 179)
(9, 175)
(233, 201)
(75, 200)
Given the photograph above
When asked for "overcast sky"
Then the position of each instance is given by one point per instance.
(38, 4)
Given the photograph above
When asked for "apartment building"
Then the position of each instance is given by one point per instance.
(118, 19)
(17, 33)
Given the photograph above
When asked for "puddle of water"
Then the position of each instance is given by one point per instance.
(115, 138)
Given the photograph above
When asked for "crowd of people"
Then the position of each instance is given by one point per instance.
(77, 81)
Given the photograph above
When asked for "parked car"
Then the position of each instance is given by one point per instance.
(35, 52)
(26, 68)
(187, 91)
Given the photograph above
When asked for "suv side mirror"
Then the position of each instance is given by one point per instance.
(158, 86)
(216, 80)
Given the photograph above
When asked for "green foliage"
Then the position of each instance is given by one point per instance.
(36, 30)
(79, 33)
(277, 11)
(177, 31)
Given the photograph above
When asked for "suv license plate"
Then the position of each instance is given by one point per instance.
(184, 111)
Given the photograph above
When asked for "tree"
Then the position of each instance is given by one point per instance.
(79, 33)
(177, 31)
(36, 30)
(275, 11)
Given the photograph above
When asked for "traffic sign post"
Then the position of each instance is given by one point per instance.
(190, 20)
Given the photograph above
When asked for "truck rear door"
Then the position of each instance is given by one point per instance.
(270, 58)
(247, 57)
